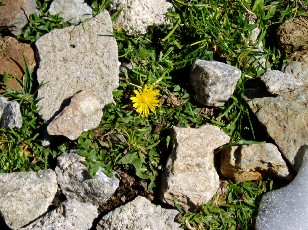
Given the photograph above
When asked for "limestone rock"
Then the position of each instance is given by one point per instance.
(24, 196)
(213, 82)
(71, 215)
(137, 15)
(286, 208)
(82, 114)
(285, 118)
(139, 214)
(76, 182)
(73, 11)
(278, 82)
(297, 69)
(252, 162)
(14, 14)
(190, 177)
(292, 35)
(10, 115)
(75, 58)
(12, 61)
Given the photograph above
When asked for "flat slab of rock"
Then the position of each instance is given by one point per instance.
(73, 11)
(213, 82)
(14, 14)
(70, 215)
(253, 162)
(82, 114)
(140, 214)
(24, 196)
(137, 15)
(286, 208)
(76, 183)
(12, 61)
(75, 58)
(285, 118)
(278, 82)
(10, 115)
(190, 177)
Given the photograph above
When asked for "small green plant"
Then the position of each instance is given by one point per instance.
(21, 150)
(39, 25)
(235, 208)
(98, 5)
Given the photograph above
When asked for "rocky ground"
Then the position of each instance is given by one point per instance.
(76, 91)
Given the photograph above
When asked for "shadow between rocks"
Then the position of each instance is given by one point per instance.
(3, 225)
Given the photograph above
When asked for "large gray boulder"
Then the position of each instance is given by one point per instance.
(139, 214)
(70, 215)
(253, 162)
(73, 11)
(285, 118)
(213, 82)
(10, 115)
(83, 113)
(75, 58)
(24, 196)
(137, 15)
(190, 177)
(76, 183)
(286, 208)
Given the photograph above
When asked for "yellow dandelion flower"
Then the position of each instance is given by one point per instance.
(145, 100)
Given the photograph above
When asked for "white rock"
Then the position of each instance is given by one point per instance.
(278, 82)
(73, 11)
(10, 115)
(190, 177)
(137, 15)
(83, 113)
(24, 196)
(297, 69)
(76, 182)
(70, 215)
(140, 214)
(75, 58)
(286, 208)
(213, 82)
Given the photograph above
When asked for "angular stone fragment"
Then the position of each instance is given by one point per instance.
(285, 118)
(73, 11)
(140, 214)
(190, 177)
(292, 35)
(82, 114)
(10, 115)
(297, 69)
(24, 196)
(253, 162)
(213, 82)
(278, 82)
(286, 208)
(14, 14)
(75, 58)
(137, 15)
(12, 61)
(76, 182)
(71, 215)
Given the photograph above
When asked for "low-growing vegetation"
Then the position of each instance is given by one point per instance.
(130, 142)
